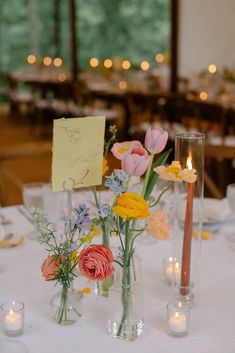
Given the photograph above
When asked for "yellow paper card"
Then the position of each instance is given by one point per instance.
(77, 159)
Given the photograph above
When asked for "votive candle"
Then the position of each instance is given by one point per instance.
(13, 318)
(178, 318)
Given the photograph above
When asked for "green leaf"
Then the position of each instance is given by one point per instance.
(153, 175)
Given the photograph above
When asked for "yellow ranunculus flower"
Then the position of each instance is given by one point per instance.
(131, 205)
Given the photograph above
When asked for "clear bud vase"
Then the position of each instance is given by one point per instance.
(188, 210)
(65, 306)
(126, 302)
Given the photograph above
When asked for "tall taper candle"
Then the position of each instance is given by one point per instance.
(186, 252)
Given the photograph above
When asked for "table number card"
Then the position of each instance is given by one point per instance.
(78, 145)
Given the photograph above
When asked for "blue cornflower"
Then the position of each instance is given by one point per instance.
(82, 219)
(117, 182)
(104, 211)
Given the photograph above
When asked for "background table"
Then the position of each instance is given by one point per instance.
(211, 326)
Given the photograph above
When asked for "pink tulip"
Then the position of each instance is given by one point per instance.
(134, 164)
(96, 262)
(155, 140)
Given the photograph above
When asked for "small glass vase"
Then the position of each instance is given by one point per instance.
(126, 302)
(102, 287)
(65, 306)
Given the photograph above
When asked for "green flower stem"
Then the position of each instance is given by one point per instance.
(105, 233)
(126, 278)
(162, 193)
(104, 225)
(146, 179)
(62, 310)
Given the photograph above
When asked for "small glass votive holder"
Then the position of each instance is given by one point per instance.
(13, 318)
(178, 316)
(184, 294)
(171, 270)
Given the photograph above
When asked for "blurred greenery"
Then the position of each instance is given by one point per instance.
(131, 29)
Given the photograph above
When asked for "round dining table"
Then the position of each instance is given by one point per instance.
(212, 321)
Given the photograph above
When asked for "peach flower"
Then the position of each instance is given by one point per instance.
(50, 267)
(174, 172)
(158, 225)
(120, 148)
(96, 262)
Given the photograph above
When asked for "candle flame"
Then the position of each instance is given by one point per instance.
(11, 312)
(177, 314)
(189, 162)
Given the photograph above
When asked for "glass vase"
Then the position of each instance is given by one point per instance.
(126, 302)
(190, 152)
(65, 306)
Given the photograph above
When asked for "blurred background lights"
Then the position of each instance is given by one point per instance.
(62, 77)
(144, 65)
(31, 59)
(212, 68)
(47, 61)
(203, 95)
(57, 62)
(159, 58)
(108, 63)
(122, 84)
(94, 62)
(126, 64)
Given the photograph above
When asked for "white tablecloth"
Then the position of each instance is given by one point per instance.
(212, 324)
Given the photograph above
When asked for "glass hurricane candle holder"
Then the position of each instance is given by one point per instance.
(13, 318)
(178, 316)
(184, 294)
(171, 270)
(190, 152)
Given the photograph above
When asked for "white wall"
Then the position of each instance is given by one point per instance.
(206, 34)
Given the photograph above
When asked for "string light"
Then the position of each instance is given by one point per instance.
(47, 61)
(145, 65)
(159, 58)
(31, 59)
(122, 85)
(203, 95)
(108, 63)
(57, 62)
(126, 64)
(94, 62)
(212, 68)
(62, 77)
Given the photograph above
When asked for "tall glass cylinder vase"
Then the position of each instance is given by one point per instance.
(190, 152)
(126, 301)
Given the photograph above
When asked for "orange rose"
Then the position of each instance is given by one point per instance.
(50, 267)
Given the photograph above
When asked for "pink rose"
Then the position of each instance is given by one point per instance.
(50, 267)
(95, 262)
(120, 148)
(134, 164)
(155, 140)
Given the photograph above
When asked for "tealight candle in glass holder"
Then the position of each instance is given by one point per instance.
(178, 315)
(13, 318)
(171, 270)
